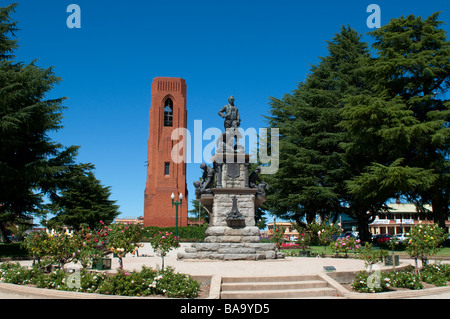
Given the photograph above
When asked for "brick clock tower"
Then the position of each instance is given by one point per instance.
(164, 176)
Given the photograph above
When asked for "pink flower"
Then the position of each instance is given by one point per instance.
(101, 222)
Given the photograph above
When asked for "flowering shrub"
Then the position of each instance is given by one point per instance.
(379, 282)
(277, 236)
(370, 255)
(345, 245)
(56, 248)
(423, 241)
(362, 281)
(143, 283)
(289, 245)
(121, 239)
(436, 274)
(163, 242)
(404, 279)
(304, 239)
(323, 232)
(84, 245)
(13, 273)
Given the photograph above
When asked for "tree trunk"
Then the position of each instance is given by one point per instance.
(440, 210)
(363, 228)
(3, 237)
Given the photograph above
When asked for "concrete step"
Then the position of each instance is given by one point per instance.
(273, 294)
(273, 285)
(267, 287)
(270, 278)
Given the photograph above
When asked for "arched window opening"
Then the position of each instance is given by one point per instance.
(168, 113)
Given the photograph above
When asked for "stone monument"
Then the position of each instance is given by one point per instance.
(230, 195)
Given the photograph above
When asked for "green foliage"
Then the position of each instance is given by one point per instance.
(176, 285)
(185, 233)
(197, 208)
(82, 200)
(371, 256)
(163, 242)
(13, 250)
(309, 180)
(436, 274)
(345, 245)
(14, 273)
(137, 283)
(424, 240)
(364, 283)
(89, 281)
(324, 231)
(85, 244)
(30, 162)
(361, 130)
(277, 236)
(402, 123)
(56, 248)
(404, 279)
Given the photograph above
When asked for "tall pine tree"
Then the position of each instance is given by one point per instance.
(83, 200)
(404, 120)
(312, 170)
(30, 162)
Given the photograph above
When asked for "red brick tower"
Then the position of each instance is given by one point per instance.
(164, 176)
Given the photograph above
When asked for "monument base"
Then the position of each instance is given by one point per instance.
(231, 251)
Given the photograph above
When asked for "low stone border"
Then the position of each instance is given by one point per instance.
(46, 293)
(57, 294)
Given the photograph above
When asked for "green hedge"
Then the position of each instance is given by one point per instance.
(186, 233)
(12, 250)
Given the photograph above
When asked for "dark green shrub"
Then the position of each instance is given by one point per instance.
(436, 274)
(186, 233)
(404, 279)
(370, 283)
(176, 285)
(14, 273)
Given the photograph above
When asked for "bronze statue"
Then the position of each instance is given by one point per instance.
(255, 182)
(228, 141)
(231, 115)
(206, 184)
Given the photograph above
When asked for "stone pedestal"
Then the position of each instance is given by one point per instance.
(231, 203)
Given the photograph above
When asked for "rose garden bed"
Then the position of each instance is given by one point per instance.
(147, 282)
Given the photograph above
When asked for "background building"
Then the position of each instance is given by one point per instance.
(401, 218)
(130, 220)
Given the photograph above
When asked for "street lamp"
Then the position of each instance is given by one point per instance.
(176, 210)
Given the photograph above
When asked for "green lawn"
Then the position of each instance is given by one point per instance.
(443, 252)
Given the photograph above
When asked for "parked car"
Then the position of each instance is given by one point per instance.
(346, 234)
(447, 242)
(381, 238)
(401, 237)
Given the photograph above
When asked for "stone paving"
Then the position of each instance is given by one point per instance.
(218, 269)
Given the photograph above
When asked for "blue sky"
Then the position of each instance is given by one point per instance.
(250, 49)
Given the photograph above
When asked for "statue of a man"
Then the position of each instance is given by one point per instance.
(205, 185)
(256, 182)
(231, 114)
